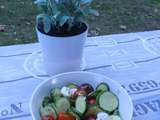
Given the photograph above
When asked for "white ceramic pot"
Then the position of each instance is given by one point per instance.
(62, 54)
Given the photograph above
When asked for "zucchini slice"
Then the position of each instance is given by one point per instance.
(54, 107)
(75, 115)
(72, 85)
(56, 92)
(62, 104)
(73, 109)
(115, 117)
(102, 87)
(81, 105)
(48, 110)
(93, 111)
(98, 95)
(116, 112)
(108, 101)
(94, 93)
(46, 101)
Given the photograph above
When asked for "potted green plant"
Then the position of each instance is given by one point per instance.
(62, 31)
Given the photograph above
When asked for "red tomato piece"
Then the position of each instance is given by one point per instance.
(47, 117)
(65, 116)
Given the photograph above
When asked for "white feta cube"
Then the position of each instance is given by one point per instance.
(102, 116)
(65, 91)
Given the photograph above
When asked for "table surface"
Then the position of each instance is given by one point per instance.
(132, 59)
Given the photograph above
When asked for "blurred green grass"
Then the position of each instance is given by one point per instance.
(116, 16)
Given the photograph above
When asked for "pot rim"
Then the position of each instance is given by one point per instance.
(87, 27)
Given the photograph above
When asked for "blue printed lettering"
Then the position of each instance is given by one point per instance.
(16, 109)
(11, 110)
(157, 102)
(151, 106)
(141, 109)
(4, 112)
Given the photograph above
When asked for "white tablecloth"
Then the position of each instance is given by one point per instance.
(131, 59)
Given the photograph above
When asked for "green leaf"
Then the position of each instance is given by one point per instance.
(63, 9)
(94, 12)
(40, 17)
(53, 6)
(62, 1)
(63, 20)
(77, 4)
(47, 24)
(86, 1)
(40, 2)
(46, 21)
(57, 14)
(53, 20)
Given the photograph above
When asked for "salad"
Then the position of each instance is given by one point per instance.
(73, 102)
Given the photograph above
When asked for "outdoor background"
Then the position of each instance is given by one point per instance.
(17, 18)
